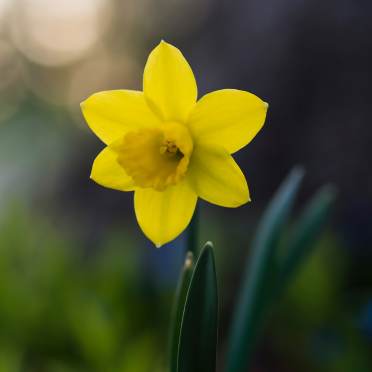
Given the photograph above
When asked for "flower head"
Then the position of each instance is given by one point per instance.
(168, 147)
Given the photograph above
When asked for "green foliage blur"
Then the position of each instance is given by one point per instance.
(63, 312)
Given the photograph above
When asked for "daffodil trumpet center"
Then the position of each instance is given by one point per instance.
(155, 157)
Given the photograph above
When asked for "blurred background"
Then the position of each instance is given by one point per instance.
(81, 289)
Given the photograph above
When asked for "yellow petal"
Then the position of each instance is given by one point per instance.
(230, 118)
(111, 114)
(216, 177)
(163, 215)
(107, 172)
(169, 83)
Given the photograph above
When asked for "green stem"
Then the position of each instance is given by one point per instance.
(192, 234)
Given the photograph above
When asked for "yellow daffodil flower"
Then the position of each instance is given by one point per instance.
(168, 147)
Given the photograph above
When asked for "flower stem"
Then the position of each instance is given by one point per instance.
(192, 234)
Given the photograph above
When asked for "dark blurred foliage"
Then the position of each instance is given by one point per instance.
(81, 289)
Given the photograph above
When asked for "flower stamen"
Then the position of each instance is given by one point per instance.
(156, 157)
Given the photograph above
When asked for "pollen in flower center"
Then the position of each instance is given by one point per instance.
(169, 148)
(156, 157)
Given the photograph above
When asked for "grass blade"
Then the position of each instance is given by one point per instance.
(260, 269)
(198, 338)
(178, 309)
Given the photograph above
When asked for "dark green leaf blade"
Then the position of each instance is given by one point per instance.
(260, 269)
(198, 338)
(305, 233)
(178, 309)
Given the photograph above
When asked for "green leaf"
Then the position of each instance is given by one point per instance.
(261, 269)
(178, 309)
(198, 338)
(305, 233)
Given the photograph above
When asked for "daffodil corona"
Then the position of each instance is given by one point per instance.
(168, 147)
